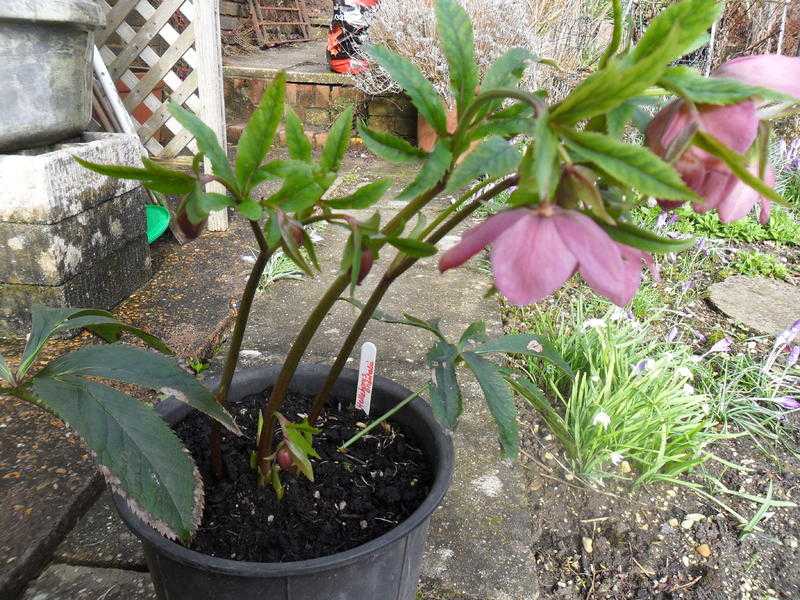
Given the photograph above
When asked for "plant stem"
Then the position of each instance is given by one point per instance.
(398, 267)
(303, 339)
(391, 412)
(232, 358)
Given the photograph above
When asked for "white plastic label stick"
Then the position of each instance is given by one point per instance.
(366, 376)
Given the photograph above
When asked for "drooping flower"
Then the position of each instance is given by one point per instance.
(601, 419)
(734, 125)
(788, 335)
(721, 346)
(536, 250)
(794, 356)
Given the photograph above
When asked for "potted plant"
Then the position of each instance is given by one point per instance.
(574, 182)
(46, 49)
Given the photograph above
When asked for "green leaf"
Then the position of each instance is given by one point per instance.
(505, 128)
(545, 163)
(250, 210)
(633, 165)
(688, 83)
(678, 29)
(389, 147)
(207, 142)
(493, 158)
(137, 366)
(275, 478)
(297, 141)
(47, 322)
(299, 192)
(363, 197)
(193, 205)
(338, 140)
(499, 399)
(300, 441)
(736, 163)
(432, 172)
(154, 177)
(457, 41)
(5, 372)
(298, 447)
(143, 460)
(507, 70)
(528, 345)
(291, 250)
(476, 332)
(419, 89)
(618, 118)
(636, 237)
(260, 132)
(412, 247)
(211, 201)
(446, 400)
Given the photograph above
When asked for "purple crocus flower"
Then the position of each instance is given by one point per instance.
(672, 335)
(788, 403)
(535, 250)
(794, 356)
(721, 346)
(787, 336)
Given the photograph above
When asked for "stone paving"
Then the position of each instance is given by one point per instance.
(480, 541)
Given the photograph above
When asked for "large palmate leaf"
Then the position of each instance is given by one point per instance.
(633, 165)
(457, 40)
(260, 132)
(419, 89)
(494, 157)
(47, 322)
(389, 147)
(498, 399)
(446, 400)
(140, 367)
(140, 456)
(207, 142)
(432, 172)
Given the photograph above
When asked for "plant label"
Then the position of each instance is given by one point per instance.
(366, 376)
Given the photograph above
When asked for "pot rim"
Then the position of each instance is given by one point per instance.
(174, 412)
(84, 13)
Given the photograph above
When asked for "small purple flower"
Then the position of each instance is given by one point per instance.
(700, 337)
(687, 285)
(787, 336)
(672, 335)
(721, 346)
(794, 356)
(662, 220)
(788, 403)
(643, 365)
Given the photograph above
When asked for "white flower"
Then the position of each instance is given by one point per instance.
(616, 458)
(594, 324)
(602, 419)
(685, 373)
(688, 389)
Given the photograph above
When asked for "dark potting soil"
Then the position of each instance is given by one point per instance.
(355, 498)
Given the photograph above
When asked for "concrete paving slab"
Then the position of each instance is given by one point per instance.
(66, 582)
(100, 539)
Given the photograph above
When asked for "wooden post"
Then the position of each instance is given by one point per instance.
(208, 44)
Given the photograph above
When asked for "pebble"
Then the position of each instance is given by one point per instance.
(792, 542)
(587, 544)
(691, 519)
(703, 550)
(625, 467)
(673, 522)
(685, 561)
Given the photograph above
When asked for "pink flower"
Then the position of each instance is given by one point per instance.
(734, 125)
(535, 250)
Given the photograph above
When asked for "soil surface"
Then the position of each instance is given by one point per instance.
(355, 498)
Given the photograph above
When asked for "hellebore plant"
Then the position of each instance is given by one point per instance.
(574, 183)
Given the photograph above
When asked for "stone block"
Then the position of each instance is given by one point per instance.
(59, 582)
(104, 285)
(52, 254)
(305, 95)
(395, 106)
(47, 186)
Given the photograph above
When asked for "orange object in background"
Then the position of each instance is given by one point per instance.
(348, 33)
(141, 113)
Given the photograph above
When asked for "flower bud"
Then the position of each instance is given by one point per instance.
(367, 260)
(187, 228)
(285, 459)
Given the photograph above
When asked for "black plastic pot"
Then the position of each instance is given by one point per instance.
(386, 568)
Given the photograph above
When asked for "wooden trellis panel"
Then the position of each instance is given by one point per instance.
(153, 53)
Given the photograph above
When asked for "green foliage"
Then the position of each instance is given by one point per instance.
(754, 263)
(689, 84)
(628, 401)
(389, 147)
(493, 158)
(458, 43)
(433, 171)
(141, 457)
(337, 143)
(364, 197)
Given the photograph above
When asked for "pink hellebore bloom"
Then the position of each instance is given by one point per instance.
(735, 125)
(535, 250)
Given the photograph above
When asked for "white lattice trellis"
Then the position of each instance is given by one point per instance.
(151, 47)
